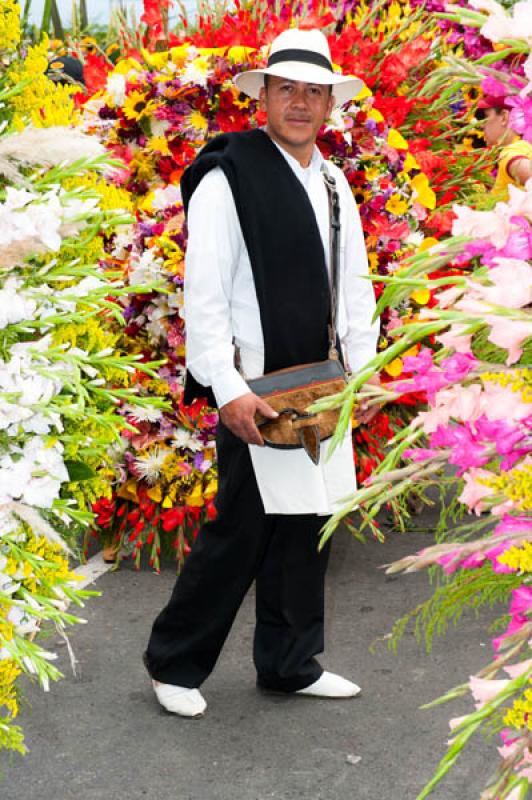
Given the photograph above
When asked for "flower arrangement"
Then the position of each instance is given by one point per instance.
(478, 388)
(60, 378)
(155, 112)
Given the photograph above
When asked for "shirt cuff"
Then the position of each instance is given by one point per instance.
(228, 386)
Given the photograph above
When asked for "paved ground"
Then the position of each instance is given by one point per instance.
(101, 736)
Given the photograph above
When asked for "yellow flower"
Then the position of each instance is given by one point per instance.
(158, 144)
(518, 558)
(410, 163)
(397, 205)
(372, 173)
(136, 106)
(373, 262)
(195, 497)
(396, 140)
(520, 715)
(395, 367)
(42, 101)
(197, 121)
(9, 672)
(421, 296)
(9, 25)
(423, 193)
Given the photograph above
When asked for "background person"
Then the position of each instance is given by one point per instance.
(514, 164)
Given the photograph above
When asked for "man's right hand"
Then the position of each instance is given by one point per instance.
(239, 417)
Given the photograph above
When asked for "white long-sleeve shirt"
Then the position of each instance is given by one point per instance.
(221, 310)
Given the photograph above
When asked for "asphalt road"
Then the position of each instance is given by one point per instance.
(102, 736)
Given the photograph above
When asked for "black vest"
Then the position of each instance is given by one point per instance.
(284, 245)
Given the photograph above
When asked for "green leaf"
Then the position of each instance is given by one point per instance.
(79, 471)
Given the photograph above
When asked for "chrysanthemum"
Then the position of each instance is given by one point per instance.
(196, 121)
(143, 414)
(148, 466)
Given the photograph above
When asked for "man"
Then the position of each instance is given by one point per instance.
(514, 165)
(256, 280)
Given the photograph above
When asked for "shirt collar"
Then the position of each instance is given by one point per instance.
(315, 162)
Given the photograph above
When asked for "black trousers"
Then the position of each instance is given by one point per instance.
(279, 552)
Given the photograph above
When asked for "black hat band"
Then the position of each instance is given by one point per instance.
(306, 56)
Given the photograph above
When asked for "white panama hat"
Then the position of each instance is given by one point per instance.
(301, 56)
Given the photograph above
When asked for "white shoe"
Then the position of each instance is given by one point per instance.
(331, 685)
(180, 700)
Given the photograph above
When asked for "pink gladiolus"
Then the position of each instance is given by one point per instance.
(457, 366)
(450, 562)
(456, 721)
(511, 524)
(465, 451)
(484, 690)
(420, 453)
(431, 420)
(519, 243)
(422, 363)
(491, 85)
(474, 492)
(515, 625)
(516, 670)
(500, 402)
(510, 335)
(521, 601)
(512, 284)
(473, 561)
(520, 200)
(504, 435)
(449, 296)
(493, 556)
(521, 116)
(491, 225)
(455, 338)
(463, 403)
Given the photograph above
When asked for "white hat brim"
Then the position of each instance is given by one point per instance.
(345, 87)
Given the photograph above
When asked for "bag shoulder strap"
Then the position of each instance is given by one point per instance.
(334, 246)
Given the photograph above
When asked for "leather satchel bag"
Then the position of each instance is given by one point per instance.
(291, 391)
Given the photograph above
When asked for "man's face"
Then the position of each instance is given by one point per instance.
(494, 126)
(295, 110)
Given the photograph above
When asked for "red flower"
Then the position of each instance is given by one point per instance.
(104, 510)
(172, 518)
(95, 71)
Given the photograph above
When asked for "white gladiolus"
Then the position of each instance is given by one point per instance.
(14, 306)
(33, 473)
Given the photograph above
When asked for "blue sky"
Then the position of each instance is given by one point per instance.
(98, 9)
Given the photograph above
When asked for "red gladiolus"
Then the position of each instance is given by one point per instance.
(172, 518)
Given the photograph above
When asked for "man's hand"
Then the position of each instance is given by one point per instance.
(365, 413)
(239, 417)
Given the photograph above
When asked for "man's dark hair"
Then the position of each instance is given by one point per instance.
(267, 80)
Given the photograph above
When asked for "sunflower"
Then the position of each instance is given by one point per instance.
(137, 106)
